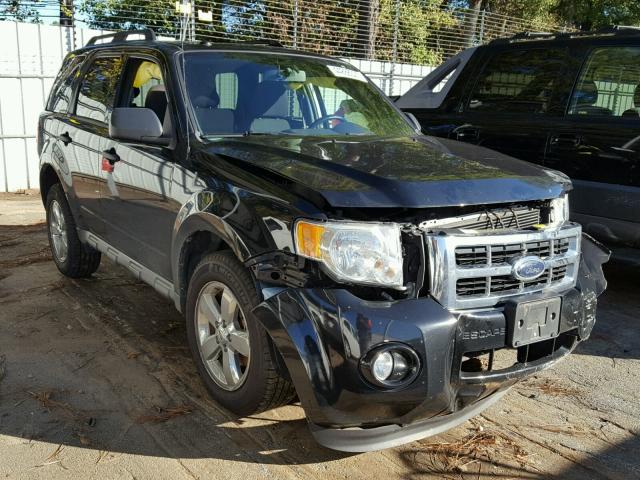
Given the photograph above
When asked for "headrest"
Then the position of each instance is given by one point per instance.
(207, 101)
(587, 94)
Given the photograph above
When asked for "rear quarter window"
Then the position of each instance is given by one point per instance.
(60, 96)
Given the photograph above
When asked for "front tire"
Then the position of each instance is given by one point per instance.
(73, 258)
(229, 346)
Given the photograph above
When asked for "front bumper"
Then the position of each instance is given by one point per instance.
(322, 334)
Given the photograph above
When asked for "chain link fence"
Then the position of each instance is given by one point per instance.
(394, 42)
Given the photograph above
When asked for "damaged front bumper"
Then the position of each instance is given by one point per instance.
(322, 335)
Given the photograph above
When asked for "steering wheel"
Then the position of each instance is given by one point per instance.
(326, 118)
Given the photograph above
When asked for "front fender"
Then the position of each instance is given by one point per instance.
(322, 334)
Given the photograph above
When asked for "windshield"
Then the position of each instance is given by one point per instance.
(238, 93)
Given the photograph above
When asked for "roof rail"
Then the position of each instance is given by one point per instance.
(611, 30)
(122, 36)
(260, 41)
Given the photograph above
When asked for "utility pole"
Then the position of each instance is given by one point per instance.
(66, 20)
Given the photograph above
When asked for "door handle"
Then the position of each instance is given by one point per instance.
(65, 138)
(566, 140)
(111, 156)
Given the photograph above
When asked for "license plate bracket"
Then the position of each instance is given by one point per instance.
(534, 321)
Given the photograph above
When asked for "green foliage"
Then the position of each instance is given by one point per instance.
(592, 14)
(419, 23)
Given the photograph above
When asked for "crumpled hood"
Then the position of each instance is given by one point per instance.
(402, 172)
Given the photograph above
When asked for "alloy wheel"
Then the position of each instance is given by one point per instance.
(222, 336)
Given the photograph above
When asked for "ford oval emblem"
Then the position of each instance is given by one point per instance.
(528, 268)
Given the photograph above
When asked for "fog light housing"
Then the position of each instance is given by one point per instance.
(390, 365)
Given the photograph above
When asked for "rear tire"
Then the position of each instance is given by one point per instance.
(73, 258)
(251, 382)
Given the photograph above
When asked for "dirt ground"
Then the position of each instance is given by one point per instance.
(96, 382)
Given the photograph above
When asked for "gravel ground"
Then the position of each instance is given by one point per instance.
(96, 382)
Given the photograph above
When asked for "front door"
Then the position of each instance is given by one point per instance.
(135, 200)
(598, 145)
(513, 100)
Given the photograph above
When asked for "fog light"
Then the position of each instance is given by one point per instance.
(390, 365)
(382, 366)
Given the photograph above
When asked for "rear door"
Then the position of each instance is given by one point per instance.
(82, 131)
(598, 144)
(514, 99)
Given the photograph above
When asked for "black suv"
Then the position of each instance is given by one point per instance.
(316, 242)
(569, 101)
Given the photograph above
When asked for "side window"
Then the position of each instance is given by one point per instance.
(60, 96)
(609, 84)
(146, 79)
(98, 87)
(518, 81)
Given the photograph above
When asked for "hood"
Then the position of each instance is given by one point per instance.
(407, 172)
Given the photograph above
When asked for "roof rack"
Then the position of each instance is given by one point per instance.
(263, 41)
(611, 30)
(123, 36)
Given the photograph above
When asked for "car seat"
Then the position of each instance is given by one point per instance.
(211, 118)
(585, 98)
(633, 112)
(156, 100)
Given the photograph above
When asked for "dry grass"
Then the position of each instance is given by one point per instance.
(39, 256)
(164, 414)
(45, 398)
(550, 387)
(470, 453)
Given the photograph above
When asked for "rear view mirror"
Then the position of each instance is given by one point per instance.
(137, 125)
(414, 121)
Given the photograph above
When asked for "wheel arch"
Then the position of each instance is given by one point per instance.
(48, 178)
(194, 237)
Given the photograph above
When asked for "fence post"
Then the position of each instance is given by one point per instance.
(394, 47)
(193, 21)
(295, 23)
(481, 39)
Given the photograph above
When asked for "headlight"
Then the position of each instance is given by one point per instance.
(559, 210)
(367, 253)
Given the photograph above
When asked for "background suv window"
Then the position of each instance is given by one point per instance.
(518, 81)
(97, 90)
(609, 84)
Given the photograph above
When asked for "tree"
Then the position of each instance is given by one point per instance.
(592, 14)
(20, 11)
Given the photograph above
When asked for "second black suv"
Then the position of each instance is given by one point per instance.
(570, 102)
(317, 244)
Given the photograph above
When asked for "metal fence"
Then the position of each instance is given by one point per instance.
(394, 42)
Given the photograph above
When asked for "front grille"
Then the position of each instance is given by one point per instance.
(471, 271)
(477, 255)
(520, 218)
(499, 284)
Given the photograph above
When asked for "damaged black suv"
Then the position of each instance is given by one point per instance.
(318, 245)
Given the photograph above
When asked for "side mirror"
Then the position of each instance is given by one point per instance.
(137, 125)
(414, 121)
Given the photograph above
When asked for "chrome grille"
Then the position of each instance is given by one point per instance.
(496, 219)
(471, 271)
(467, 287)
